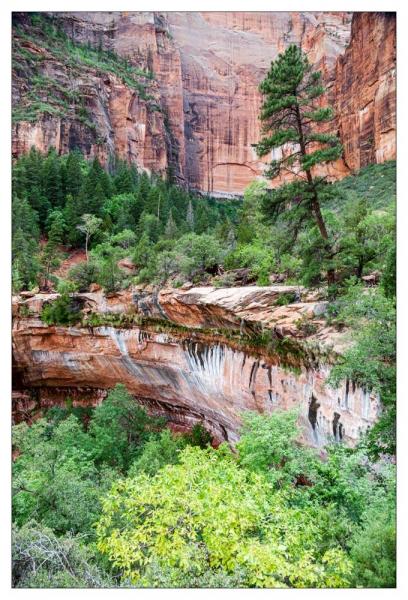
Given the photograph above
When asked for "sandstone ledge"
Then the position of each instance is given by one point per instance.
(284, 310)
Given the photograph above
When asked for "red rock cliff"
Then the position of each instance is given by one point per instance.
(207, 70)
(364, 90)
(193, 372)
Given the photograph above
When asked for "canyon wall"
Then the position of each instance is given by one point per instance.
(190, 369)
(365, 91)
(202, 116)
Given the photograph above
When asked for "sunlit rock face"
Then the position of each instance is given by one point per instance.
(365, 90)
(189, 375)
(207, 70)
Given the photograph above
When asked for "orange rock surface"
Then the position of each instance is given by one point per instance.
(207, 69)
(188, 374)
(365, 91)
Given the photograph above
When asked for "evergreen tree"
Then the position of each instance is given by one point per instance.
(124, 179)
(24, 218)
(56, 231)
(142, 252)
(74, 177)
(96, 189)
(202, 219)
(33, 170)
(25, 264)
(52, 184)
(151, 225)
(291, 114)
(72, 215)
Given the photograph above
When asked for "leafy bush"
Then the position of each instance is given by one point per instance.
(119, 428)
(84, 273)
(371, 361)
(258, 257)
(207, 515)
(373, 549)
(62, 311)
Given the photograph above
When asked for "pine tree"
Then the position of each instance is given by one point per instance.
(51, 175)
(124, 179)
(25, 265)
(24, 218)
(291, 113)
(97, 187)
(72, 215)
(74, 177)
(56, 230)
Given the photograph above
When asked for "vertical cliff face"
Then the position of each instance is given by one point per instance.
(224, 56)
(68, 99)
(364, 92)
(199, 115)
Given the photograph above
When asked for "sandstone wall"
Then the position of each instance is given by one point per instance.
(193, 355)
(207, 70)
(186, 378)
(365, 91)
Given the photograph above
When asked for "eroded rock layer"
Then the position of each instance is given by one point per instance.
(207, 69)
(189, 374)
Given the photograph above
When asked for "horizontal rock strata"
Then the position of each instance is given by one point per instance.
(189, 375)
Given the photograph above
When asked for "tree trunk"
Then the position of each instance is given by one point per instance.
(331, 275)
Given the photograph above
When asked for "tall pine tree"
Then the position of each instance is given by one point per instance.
(292, 115)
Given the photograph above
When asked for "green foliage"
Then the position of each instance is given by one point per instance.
(290, 113)
(198, 436)
(54, 479)
(367, 236)
(119, 428)
(269, 445)
(62, 311)
(83, 274)
(107, 273)
(389, 278)
(373, 548)
(375, 183)
(208, 514)
(163, 449)
(271, 515)
(258, 257)
(291, 105)
(125, 213)
(371, 361)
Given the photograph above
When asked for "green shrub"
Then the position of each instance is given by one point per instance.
(83, 274)
(62, 311)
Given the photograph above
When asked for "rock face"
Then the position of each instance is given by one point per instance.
(365, 90)
(207, 69)
(189, 375)
(89, 109)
